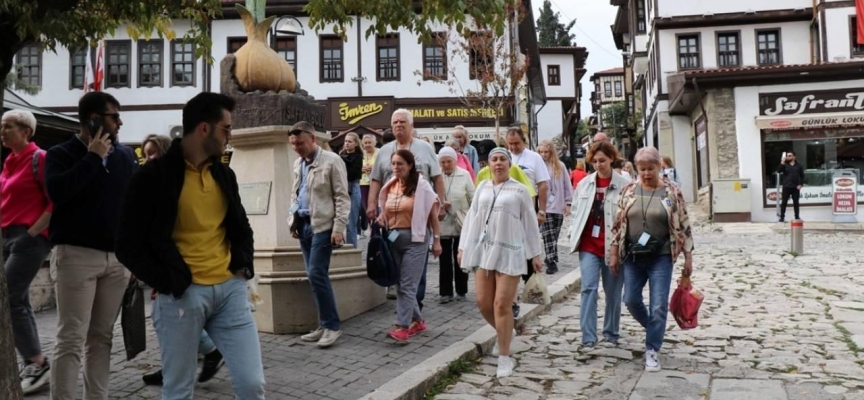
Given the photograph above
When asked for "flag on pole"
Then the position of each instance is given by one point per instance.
(859, 20)
(88, 70)
(99, 73)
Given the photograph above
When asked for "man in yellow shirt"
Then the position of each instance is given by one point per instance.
(184, 232)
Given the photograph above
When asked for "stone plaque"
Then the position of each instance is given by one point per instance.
(255, 197)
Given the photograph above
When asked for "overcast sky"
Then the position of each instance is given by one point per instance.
(593, 18)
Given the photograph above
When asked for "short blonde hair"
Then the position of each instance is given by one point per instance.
(580, 165)
(23, 118)
(648, 154)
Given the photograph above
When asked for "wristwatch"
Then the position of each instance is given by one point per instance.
(543, 213)
(437, 236)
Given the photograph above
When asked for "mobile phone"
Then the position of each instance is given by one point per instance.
(93, 125)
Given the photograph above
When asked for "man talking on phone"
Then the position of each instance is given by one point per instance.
(792, 175)
(86, 178)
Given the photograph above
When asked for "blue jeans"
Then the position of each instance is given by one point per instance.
(658, 274)
(316, 255)
(223, 311)
(354, 215)
(592, 267)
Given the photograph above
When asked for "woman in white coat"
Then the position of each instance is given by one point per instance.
(594, 208)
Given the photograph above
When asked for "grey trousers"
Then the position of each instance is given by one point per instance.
(24, 256)
(411, 258)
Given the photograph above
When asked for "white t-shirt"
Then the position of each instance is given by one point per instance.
(533, 165)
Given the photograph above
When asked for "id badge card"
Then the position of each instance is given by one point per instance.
(595, 232)
(294, 208)
(393, 236)
(551, 198)
(668, 202)
(643, 240)
(482, 237)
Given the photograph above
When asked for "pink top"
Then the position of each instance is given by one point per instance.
(22, 197)
(464, 163)
(425, 199)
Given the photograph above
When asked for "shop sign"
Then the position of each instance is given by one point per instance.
(845, 199)
(472, 136)
(454, 114)
(371, 112)
(810, 195)
(139, 155)
(811, 121)
(811, 102)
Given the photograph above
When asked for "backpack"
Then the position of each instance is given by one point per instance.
(381, 268)
(34, 166)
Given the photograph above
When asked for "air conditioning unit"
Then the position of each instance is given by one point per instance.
(175, 131)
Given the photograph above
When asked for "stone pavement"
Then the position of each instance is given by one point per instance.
(772, 327)
(362, 360)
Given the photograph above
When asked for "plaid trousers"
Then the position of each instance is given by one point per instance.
(550, 231)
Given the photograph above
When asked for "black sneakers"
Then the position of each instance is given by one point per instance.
(35, 377)
(153, 379)
(212, 363)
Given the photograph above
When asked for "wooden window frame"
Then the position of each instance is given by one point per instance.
(141, 46)
(321, 49)
(30, 66)
(678, 38)
(385, 42)
(436, 41)
(473, 57)
(619, 88)
(607, 90)
(73, 65)
(193, 63)
(641, 19)
(109, 44)
(553, 79)
(231, 41)
(291, 40)
(737, 35)
(853, 30)
(779, 45)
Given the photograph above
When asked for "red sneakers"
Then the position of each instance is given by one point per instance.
(400, 334)
(416, 327)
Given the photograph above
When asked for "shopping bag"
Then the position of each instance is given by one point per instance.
(685, 303)
(254, 297)
(381, 268)
(535, 291)
(132, 320)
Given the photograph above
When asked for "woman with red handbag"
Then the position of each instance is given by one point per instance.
(651, 230)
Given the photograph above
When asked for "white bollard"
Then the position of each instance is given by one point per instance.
(797, 246)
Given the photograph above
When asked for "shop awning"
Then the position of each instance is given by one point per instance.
(809, 121)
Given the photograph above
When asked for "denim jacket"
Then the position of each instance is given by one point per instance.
(681, 236)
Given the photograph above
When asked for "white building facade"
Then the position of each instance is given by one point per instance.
(717, 73)
(609, 89)
(152, 79)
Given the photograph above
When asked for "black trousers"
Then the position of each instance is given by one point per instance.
(795, 194)
(451, 270)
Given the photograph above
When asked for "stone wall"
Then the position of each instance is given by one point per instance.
(724, 134)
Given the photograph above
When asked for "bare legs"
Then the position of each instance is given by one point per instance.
(495, 294)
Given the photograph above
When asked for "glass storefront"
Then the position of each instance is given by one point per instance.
(821, 152)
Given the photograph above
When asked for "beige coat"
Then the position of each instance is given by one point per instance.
(459, 191)
(329, 201)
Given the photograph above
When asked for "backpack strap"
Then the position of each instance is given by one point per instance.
(34, 165)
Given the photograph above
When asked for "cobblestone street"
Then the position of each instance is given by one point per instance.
(772, 327)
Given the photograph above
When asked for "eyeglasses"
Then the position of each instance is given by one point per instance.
(226, 128)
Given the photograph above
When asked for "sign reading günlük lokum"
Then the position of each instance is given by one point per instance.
(812, 102)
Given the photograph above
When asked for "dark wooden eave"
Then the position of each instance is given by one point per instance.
(682, 86)
(737, 18)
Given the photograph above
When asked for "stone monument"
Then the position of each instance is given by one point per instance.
(263, 161)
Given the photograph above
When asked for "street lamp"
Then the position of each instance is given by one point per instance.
(291, 27)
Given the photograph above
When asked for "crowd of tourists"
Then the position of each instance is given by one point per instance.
(176, 223)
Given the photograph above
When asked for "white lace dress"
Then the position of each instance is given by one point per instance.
(512, 234)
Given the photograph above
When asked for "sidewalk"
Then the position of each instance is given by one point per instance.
(772, 327)
(362, 360)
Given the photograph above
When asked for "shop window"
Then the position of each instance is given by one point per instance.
(768, 47)
(821, 152)
(331, 59)
(553, 75)
(857, 49)
(388, 57)
(688, 52)
(728, 49)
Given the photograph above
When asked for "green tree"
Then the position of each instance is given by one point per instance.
(615, 119)
(552, 31)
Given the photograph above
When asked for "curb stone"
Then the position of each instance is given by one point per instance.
(414, 383)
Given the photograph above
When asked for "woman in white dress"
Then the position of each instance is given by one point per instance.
(500, 232)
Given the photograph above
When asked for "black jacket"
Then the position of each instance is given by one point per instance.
(793, 175)
(353, 165)
(145, 242)
(86, 193)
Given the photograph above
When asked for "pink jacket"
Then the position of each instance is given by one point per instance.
(425, 199)
(464, 163)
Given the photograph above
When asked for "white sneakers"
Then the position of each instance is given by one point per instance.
(652, 361)
(495, 347)
(324, 337)
(505, 366)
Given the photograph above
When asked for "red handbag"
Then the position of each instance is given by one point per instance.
(685, 303)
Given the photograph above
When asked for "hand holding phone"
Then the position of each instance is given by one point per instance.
(99, 141)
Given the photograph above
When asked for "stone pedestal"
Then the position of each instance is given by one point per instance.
(263, 156)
